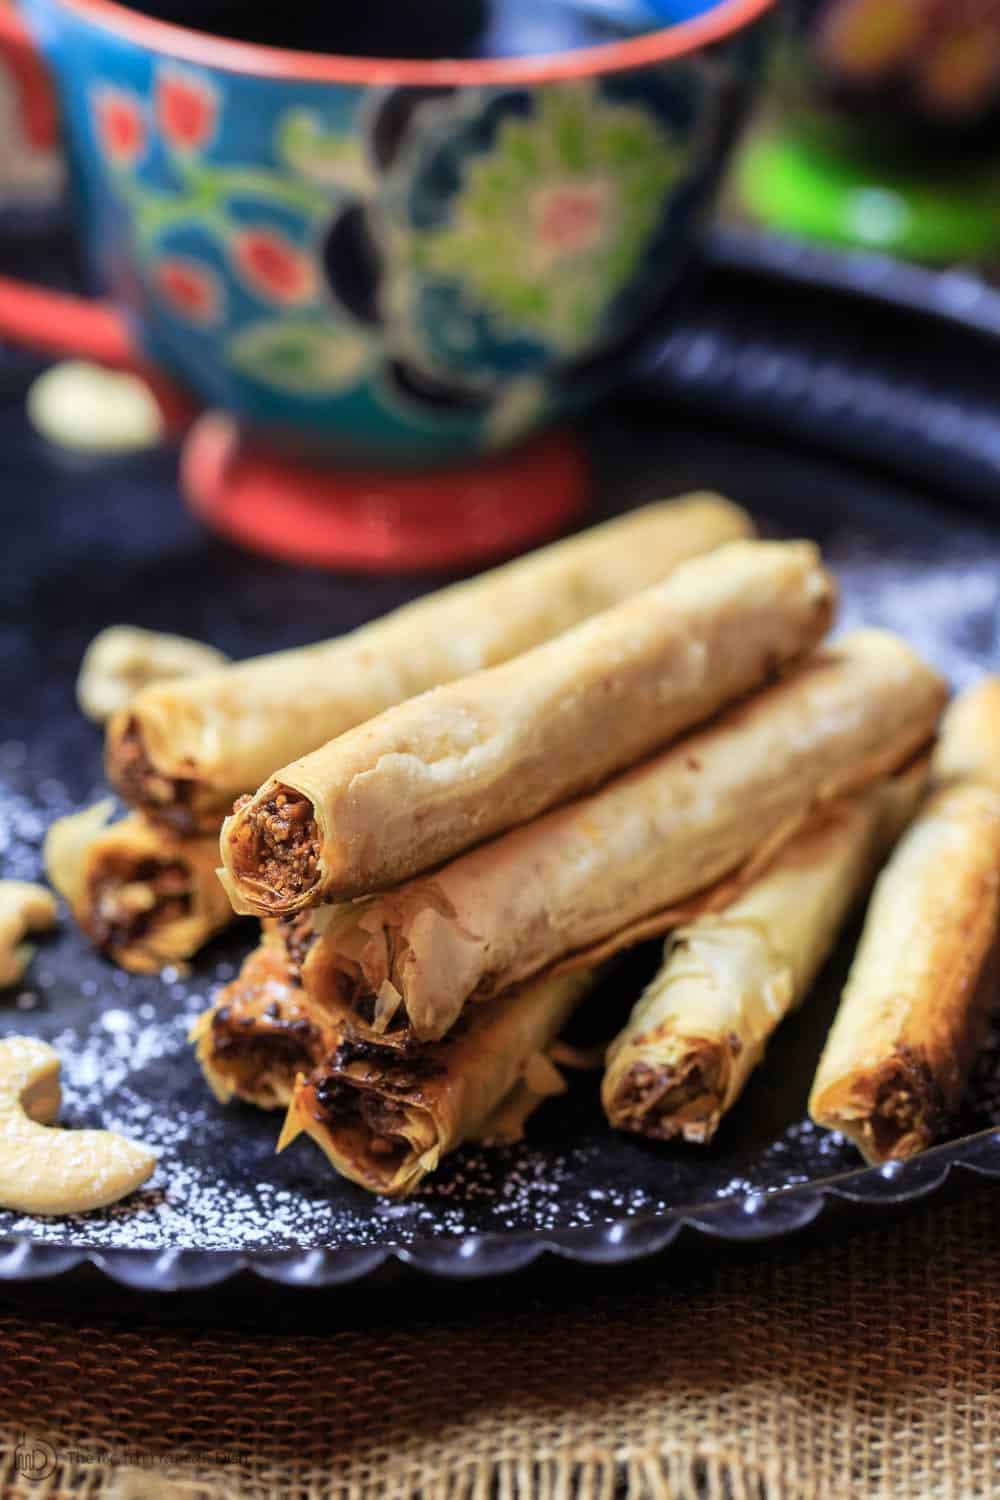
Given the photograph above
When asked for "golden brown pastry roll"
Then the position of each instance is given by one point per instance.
(143, 895)
(969, 746)
(386, 1118)
(923, 980)
(728, 979)
(454, 766)
(261, 1031)
(592, 876)
(183, 751)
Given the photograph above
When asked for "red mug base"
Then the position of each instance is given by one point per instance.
(386, 521)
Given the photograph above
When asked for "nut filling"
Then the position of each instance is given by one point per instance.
(667, 1102)
(337, 1103)
(167, 799)
(127, 904)
(250, 1048)
(279, 844)
(909, 1109)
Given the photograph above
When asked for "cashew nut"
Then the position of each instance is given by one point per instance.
(24, 908)
(124, 659)
(79, 405)
(51, 1171)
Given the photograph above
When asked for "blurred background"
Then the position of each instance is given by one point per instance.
(846, 298)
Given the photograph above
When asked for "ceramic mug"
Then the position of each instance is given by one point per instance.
(401, 262)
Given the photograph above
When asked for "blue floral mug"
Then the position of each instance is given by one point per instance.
(403, 262)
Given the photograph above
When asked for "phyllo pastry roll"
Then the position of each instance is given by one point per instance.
(626, 861)
(261, 1031)
(969, 746)
(385, 1118)
(429, 778)
(919, 993)
(728, 979)
(183, 751)
(143, 895)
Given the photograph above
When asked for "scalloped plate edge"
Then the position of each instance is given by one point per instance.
(753, 1217)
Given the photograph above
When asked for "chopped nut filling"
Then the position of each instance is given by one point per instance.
(168, 799)
(400, 1067)
(127, 904)
(338, 1102)
(908, 1110)
(261, 1036)
(281, 847)
(250, 1047)
(666, 1102)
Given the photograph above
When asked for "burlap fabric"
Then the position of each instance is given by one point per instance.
(868, 1369)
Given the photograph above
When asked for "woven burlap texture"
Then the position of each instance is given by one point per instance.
(868, 1369)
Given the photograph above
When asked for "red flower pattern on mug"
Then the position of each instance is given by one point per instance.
(187, 109)
(120, 125)
(571, 216)
(190, 288)
(273, 266)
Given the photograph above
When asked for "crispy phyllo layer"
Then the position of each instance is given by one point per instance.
(123, 659)
(260, 1033)
(923, 982)
(386, 1118)
(728, 979)
(669, 838)
(924, 978)
(466, 761)
(184, 751)
(170, 799)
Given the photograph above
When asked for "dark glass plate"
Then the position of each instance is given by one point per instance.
(87, 543)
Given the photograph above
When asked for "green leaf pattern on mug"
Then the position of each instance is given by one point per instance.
(300, 356)
(553, 220)
(204, 194)
(325, 157)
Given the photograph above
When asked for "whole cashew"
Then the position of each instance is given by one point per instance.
(44, 1170)
(79, 405)
(24, 908)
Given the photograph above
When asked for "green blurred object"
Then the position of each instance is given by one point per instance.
(797, 186)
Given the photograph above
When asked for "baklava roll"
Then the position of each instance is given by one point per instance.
(728, 979)
(386, 1118)
(969, 745)
(446, 770)
(918, 997)
(593, 876)
(143, 895)
(183, 751)
(261, 1031)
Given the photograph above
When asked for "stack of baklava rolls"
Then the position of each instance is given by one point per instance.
(144, 888)
(442, 883)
